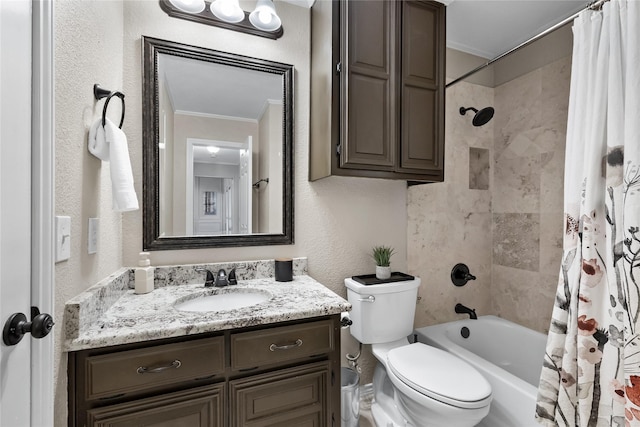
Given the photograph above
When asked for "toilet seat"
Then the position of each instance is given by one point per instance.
(439, 375)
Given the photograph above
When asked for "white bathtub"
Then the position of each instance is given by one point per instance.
(508, 355)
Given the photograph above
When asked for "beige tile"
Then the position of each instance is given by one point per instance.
(556, 81)
(518, 107)
(516, 240)
(516, 184)
(551, 234)
(479, 168)
(442, 242)
(524, 297)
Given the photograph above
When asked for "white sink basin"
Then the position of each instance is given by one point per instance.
(223, 300)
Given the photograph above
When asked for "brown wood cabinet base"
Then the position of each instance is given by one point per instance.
(285, 374)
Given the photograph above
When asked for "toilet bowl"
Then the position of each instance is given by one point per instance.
(415, 385)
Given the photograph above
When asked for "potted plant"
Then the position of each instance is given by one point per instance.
(382, 256)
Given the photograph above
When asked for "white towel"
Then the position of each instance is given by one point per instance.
(109, 144)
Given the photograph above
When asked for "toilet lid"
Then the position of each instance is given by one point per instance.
(439, 375)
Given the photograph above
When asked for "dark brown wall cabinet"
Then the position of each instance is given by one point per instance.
(279, 375)
(377, 89)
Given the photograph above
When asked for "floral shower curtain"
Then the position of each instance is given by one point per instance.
(591, 371)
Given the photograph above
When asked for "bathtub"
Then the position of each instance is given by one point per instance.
(508, 355)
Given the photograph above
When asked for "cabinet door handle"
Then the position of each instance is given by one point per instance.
(173, 365)
(274, 347)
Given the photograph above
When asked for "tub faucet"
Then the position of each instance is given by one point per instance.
(466, 310)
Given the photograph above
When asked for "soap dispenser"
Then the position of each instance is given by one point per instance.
(144, 274)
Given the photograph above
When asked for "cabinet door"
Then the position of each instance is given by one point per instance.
(289, 397)
(200, 407)
(422, 88)
(368, 132)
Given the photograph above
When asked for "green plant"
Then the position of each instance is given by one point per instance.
(382, 255)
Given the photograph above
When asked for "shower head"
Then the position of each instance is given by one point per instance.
(481, 117)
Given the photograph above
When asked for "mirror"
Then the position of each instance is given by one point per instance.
(217, 148)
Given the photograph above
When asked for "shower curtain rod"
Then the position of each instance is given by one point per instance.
(595, 5)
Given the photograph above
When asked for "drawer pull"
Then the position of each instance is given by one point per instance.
(274, 347)
(173, 365)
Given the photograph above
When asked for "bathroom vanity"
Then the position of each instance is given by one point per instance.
(137, 360)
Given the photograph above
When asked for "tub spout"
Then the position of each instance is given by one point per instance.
(466, 310)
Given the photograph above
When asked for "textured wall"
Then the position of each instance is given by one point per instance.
(337, 220)
(88, 50)
(528, 191)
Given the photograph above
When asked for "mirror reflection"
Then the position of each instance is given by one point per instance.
(220, 150)
(215, 120)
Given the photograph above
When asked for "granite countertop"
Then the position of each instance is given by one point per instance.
(128, 317)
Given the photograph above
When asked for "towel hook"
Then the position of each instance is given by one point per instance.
(100, 93)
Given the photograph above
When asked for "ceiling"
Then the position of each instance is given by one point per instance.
(488, 28)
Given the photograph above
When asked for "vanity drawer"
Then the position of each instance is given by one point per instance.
(281, 344)
(134, 371)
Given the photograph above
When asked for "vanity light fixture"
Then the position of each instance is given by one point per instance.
(263, 21)
(189, 6)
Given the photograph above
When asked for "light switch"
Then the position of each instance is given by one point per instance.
(63, 238)
(92, 244)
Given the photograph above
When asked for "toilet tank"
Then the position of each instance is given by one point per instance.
(384, 312)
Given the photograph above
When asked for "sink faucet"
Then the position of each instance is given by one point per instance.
(209, 281)
(462, 310)
(221, 279)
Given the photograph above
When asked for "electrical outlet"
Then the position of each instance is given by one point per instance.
(63, 238)
(92, 244)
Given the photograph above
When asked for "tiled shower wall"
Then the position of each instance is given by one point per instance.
(500, 208)
(527, 195)
(450, 222)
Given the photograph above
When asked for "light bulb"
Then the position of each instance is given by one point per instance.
(227, 10)
(264, 16)
(212, 149)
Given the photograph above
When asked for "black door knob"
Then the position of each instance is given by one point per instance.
(17, 326)
(41, 325)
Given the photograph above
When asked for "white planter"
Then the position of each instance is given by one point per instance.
(383, 273)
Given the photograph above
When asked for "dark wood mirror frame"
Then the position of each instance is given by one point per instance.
(150, 137)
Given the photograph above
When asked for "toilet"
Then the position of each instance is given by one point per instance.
(414, 385)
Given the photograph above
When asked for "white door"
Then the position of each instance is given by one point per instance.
(26, 377)
(208, 206)
(15, 205)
